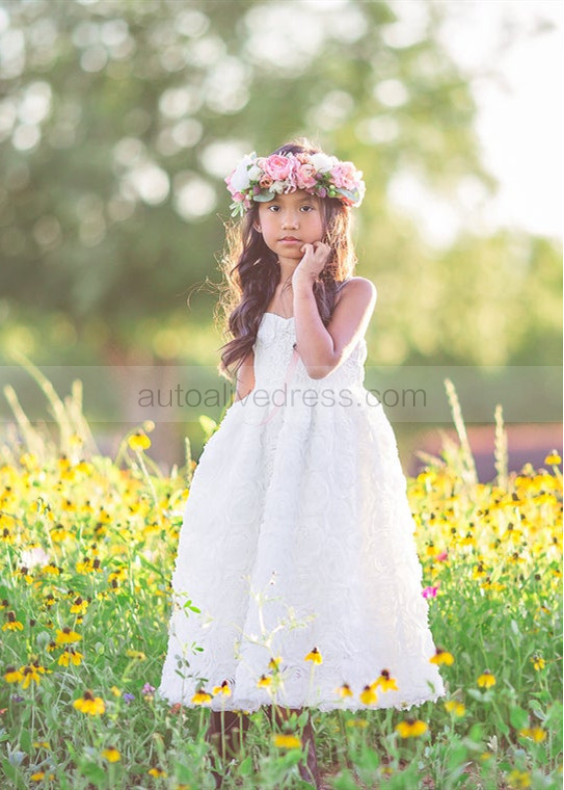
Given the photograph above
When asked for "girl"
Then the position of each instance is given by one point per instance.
(297, 582)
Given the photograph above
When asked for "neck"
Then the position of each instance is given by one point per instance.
(287, 269)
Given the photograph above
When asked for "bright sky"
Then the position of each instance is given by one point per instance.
(520, 113)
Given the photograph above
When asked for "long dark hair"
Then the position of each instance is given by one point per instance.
(251, 270)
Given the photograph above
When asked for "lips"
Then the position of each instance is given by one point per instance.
(289, 238)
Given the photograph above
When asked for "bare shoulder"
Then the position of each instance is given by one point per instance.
(360, 291)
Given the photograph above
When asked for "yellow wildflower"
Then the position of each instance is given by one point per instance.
(12, 623)
(79, 606)
(29, 673)
(111, 754)
(286, 741)
(486, 679)
(345, 691)
(88, 703)
(411, 728)
(69, 655)
(520, 778)
(536, 733)
(12, 675)
(157, 772)
(386, 682)
(135, 654)
(368, 695)
(201, 697)
(315, 656)
(139, 441)
(223, 689)
(553, 458)
(453, 706)
(442, 657)
(66, 636)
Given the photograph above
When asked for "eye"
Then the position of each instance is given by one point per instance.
(311, 208)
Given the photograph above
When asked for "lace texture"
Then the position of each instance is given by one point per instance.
(297, 534)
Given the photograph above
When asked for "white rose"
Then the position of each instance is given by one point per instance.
(254, 173)
(277, 186)
(240, 178)
(322, 162)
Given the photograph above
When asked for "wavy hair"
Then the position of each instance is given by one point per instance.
(251, 271)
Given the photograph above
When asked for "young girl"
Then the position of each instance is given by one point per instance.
(297, 582)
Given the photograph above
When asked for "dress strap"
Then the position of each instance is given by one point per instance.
(287, 380)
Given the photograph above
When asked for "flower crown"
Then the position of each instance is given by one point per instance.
(262, 178)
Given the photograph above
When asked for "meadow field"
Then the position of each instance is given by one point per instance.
(87, 548)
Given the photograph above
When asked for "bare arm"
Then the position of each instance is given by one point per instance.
(245, 377)
(323, 349)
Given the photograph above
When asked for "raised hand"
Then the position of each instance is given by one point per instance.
(315, 257)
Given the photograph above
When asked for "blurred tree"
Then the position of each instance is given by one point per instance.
(120, 119)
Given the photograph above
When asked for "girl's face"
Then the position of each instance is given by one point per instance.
(290, 221)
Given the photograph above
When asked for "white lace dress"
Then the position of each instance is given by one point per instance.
(297, 535)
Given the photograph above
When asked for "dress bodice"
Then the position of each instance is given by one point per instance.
(273, 351)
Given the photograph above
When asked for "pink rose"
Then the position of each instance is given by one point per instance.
(265, 182)
(305, 175)
(279, 168)
(343, 175)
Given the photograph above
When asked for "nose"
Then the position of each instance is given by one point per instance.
(290, 219)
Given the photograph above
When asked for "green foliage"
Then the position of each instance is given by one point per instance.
(134, 104)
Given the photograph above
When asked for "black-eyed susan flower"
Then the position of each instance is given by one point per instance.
(139, 441)
(315, 656)
(386, 682)
(66, 636)
(264, 681)
(111, 754)
(157, 772)
(79, 606)
(368, 695)
(70, 656)
(224, 689)
(88, 703)
(538, 662)
(12, 623)
(553, 459)
(31, 673)
(285, 741)
(411, 728)
(274, 663)
(12, 675)
(345, 691)
(201, 697)
(486, 679)
(442, 657)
